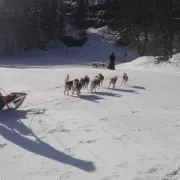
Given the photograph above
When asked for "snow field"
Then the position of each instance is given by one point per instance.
(128, 133)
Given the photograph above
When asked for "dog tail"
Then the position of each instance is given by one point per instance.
(67, 78)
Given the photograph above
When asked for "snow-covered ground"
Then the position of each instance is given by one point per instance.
(129, 133)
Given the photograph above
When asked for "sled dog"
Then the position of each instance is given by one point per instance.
(125, 79)
(95, 83)
(101, 78)
(85, 81)
(113, 81)
(68, 85)
(77, 86)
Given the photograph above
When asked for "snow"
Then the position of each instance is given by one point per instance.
(131, 132)
(105, 32)
(151, 63)
(95, 50)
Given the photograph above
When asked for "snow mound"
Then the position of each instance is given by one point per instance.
(151, 63)
(105, 32)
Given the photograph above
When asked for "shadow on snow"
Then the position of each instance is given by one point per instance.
(125, 90)
(138, 87)
(13, 130)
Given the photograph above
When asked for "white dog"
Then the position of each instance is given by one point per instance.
(125, 79)
(113, 81)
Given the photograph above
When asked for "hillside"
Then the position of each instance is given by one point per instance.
(152, 63)
(99, 46)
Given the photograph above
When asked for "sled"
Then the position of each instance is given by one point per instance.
(99, 65)
(12, 101)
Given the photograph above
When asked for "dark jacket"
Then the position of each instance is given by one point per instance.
(111, 64)
(112, 57)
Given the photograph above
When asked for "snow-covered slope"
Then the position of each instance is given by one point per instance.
(151, 63)
(97, 49)
(130, 132)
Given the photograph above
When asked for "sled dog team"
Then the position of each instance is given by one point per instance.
(77, 85)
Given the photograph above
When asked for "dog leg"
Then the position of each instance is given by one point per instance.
(122, 83)
(72, 90)
(95, 89)
(109, 85)
(77, 92)
(113, 86)
(125, 83)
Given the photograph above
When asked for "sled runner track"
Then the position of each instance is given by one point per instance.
(33, 92)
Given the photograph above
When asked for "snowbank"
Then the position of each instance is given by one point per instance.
(151, 63)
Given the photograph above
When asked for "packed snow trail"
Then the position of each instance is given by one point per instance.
(127, 133)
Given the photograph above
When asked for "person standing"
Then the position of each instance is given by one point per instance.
(111, 64)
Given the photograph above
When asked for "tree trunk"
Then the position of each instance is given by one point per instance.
(12, 47)
(170, 30)
(146, 38)
(138, 44)
(6, 46)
